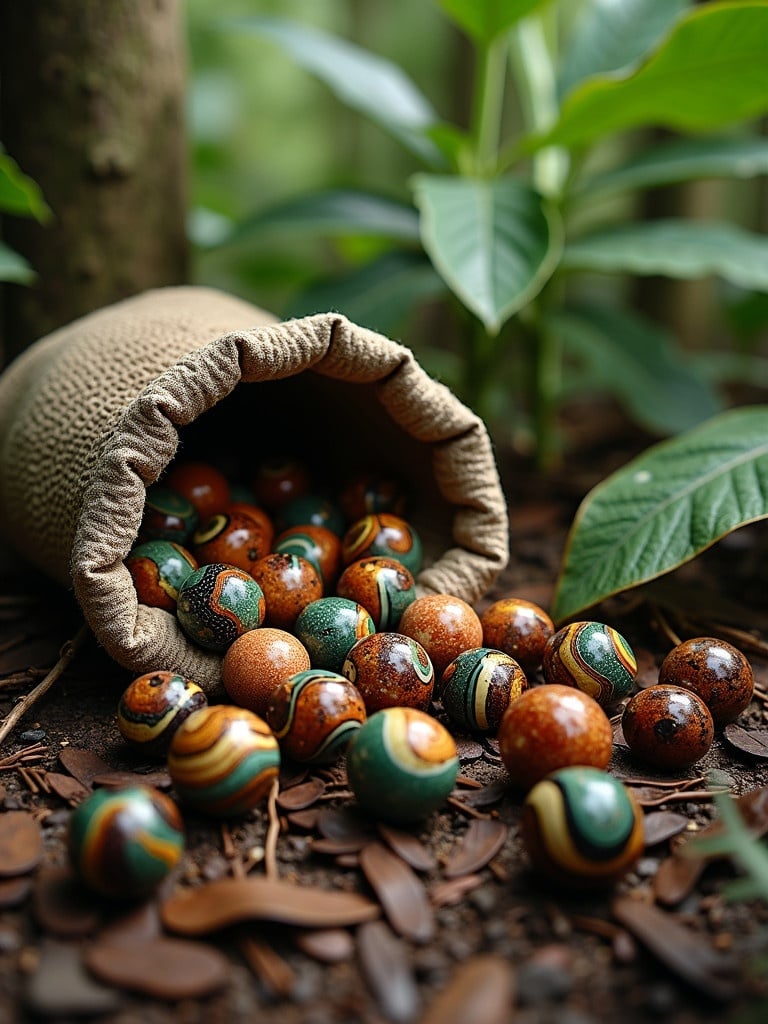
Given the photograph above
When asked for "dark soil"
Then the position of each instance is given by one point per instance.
(572, 962)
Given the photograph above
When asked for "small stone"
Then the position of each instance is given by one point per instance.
(34, 736)
(60, 986)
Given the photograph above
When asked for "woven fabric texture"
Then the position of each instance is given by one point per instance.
(91, 415)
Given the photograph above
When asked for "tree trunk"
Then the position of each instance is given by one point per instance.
(91, 107)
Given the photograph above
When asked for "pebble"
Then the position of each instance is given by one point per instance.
(34, 736)
(540, 981)
(61, 987)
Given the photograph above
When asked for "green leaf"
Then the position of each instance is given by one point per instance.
(709, 71)
(363, 80)
(674, 248)
(14, 267)
(483, 20)
(609, 34)
(19, 194)
(665, 507)
(379, 295)
(683, 160)
(495, 243)
(640, 364)
(332, 212)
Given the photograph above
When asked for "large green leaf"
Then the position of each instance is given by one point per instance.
(674, 248)
(379, 295)
(14, 267)
(665, 507)
(364, 81)
(640, 364)
(483, 20)
(332, 212)
(708, 72)
(19, 194)
(610, 34)
(495, 242)
(683, 160)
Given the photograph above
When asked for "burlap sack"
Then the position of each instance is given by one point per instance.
(94, 413)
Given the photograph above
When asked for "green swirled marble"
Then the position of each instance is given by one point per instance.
(223, 760)
(581, 825)
(168, 515)
(217, 604)
(401, 765)
(329, 627)
(123, 843)
(381, 585)
(478, 686)
(592, 657)
(314, 714)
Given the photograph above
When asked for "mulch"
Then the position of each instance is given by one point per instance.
(349, 920)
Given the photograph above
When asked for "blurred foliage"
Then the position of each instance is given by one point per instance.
(497, 263)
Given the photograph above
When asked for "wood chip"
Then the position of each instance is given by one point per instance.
(21, 843)
(749, 741)
(275, 974)
(60, 987)
(299, 797)
(328, 945)
(408, 846)
(83, 765)
(682, 950)
(400, 892)
(67, 788)
(63, 906)
(662, 825)
(117, 779)
(339, 847)
(446, 894)
(168, 969)
(479, 845)
(344, 823)
(306, 820)
(481, 991)
(676, 878)
(13, 891)
(387, 969)
(487, 796)
(229, 901)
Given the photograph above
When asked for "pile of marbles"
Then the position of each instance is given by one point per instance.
(370, 670)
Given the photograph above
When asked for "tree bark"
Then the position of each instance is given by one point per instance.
(91, 107)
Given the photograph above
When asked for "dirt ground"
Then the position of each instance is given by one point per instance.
(570, 959)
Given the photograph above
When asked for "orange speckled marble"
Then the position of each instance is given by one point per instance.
(519, 628)
(258, 662)
(289, 583)
(551, 727)
(204, 485)
(232, 538)
(444, 626)
(668, 727)
(713, 670)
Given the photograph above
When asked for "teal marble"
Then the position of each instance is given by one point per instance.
(329, 627)
(312, 510)
(158, 569)
(401, 765)
(478, 686)
(123, 843)
(217, 604)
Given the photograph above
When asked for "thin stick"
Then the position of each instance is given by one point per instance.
(19, 678)
(663, 623)
(466, 809)
(36, 750)
(68, 652)
(694, 795)
(270, 844)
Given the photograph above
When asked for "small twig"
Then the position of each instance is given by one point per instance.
(30, 783)
(19, 678)
(694, 795)
(34, 751)
(270, 843)
(664, 625)
(68, 652)
(665, 783)
(466, 809)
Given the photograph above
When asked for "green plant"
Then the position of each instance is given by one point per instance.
(20, 196)
(503, 224)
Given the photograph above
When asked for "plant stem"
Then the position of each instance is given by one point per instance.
(488, 104)
(479, 361)
(546, 383)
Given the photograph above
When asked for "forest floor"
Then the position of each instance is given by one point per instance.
(661, 946)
